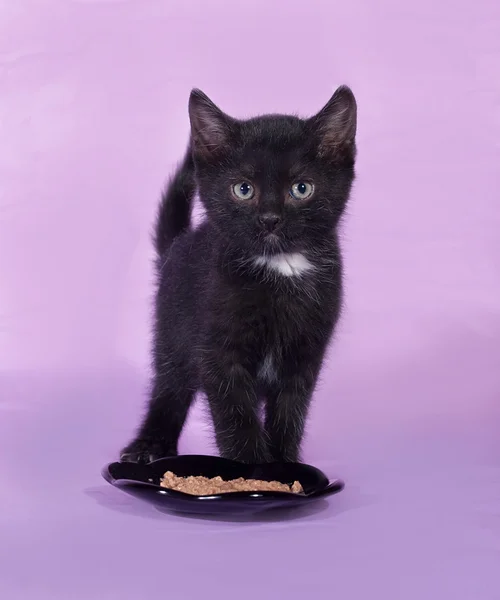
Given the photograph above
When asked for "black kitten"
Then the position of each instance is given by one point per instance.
(247, 303)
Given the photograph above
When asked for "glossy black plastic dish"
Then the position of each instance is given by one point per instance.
(142, 481)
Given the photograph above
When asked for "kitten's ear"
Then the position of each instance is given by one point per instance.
(335, 124)
(210, 127)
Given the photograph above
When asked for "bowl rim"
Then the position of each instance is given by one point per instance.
(332, 486)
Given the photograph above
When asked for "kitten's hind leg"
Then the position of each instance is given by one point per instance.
(160, 431)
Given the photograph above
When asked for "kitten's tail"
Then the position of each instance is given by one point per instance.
(174, 212)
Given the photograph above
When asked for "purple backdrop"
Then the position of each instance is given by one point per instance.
(93, 115)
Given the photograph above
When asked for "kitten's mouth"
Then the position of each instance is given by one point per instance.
(272, 243)
(271, 238)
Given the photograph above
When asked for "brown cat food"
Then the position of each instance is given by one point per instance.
(205, 486)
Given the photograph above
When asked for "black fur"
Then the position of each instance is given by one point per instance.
(229, 320)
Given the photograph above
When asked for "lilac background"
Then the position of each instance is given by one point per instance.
(93, 98)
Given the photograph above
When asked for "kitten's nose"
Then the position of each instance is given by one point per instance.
(269, 221)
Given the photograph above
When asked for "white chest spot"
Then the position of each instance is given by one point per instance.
(292, 264)
(267, 369)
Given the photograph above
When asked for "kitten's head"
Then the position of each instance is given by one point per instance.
(274, 183)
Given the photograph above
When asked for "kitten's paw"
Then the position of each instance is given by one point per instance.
(256, 456)
(285, 457)
(146, 451)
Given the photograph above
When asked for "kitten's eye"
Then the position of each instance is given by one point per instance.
(302, 190)
(243, 191)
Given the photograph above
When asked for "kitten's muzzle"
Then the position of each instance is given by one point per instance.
(269, 222)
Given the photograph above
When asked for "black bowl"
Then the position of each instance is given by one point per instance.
(142, 481)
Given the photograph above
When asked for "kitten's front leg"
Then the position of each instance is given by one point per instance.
(287, 407)
(233, 402)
